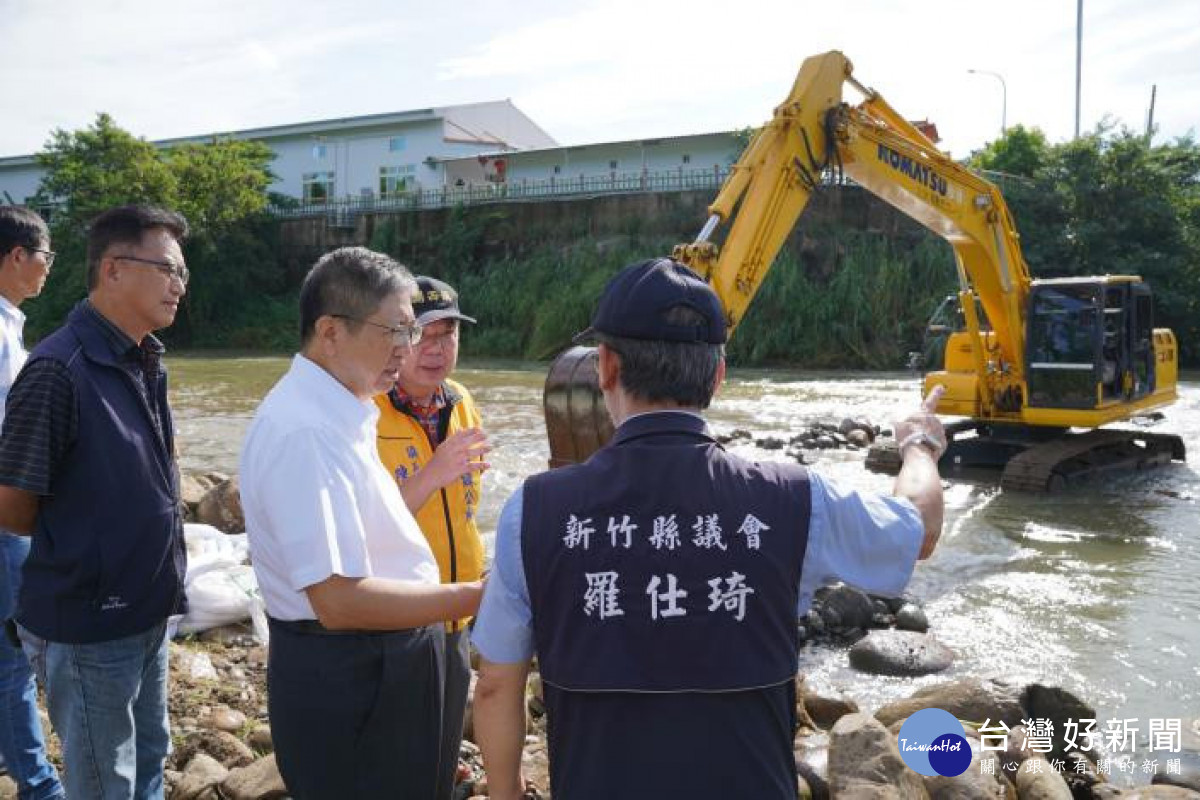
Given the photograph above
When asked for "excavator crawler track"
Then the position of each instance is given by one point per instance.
(1053, 464)
(1078, 458)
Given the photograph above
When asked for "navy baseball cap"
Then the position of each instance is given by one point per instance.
(636, 300)
(436, 300)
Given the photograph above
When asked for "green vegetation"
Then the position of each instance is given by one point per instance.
(847, 298)
(838, 296)
(239, 297)
(1110, 203)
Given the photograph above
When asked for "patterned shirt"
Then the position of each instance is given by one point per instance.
(42, 419)
(430, 415)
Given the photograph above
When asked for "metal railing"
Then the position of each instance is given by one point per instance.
(345, 210)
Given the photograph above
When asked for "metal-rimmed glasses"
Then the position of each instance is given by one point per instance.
(405, 335)
(49, 254)
(171, 270)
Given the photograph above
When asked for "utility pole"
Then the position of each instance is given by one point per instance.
(1150, 116)
(1078, 58)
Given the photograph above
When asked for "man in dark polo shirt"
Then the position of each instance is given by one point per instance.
(87, 469)
(659, 583)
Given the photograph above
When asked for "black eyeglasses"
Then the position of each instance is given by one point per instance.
(49, 254)
(176, 271)
(404, 335)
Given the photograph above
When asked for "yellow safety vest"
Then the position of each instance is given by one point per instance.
(448, 517)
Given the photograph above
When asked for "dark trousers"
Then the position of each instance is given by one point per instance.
(458, 683)
(357, 715)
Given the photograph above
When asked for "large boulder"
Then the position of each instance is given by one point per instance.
(1186, 780)
(1159, 792)
(1016, 750)
(845, 607)
(859, 438)
(824, 712)
(970, 699)
(973, 784)
(260, 739)
(1080, 775)
(891, 652)
(221, 507)
(1037, 780)
(201, 772)
(1057, 705)
(911, 617)
(257, 781)
(865, 762)
(192, 488)
(221, 745)
(850, 425)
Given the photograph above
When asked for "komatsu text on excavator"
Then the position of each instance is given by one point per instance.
(1029, 361)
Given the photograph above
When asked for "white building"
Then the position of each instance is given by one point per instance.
(678, 158)
(378, 155)
(19, 179)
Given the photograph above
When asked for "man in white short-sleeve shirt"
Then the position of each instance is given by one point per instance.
(352, 591)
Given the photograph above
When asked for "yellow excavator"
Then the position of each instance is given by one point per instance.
(1024, 361)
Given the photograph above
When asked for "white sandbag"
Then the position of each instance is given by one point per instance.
(220, 585)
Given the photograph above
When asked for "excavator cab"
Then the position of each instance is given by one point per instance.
(1089, 342)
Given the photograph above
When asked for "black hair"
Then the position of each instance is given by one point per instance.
(349, 282)
(127, 225)
(681, 372)
(21, 227)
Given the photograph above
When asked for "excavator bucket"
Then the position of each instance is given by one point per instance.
(576, 420)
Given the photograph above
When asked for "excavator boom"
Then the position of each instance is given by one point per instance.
(1043, 354)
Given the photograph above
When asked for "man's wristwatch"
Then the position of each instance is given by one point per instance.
(922, 439)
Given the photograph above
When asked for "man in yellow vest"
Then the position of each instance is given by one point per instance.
(431, 439)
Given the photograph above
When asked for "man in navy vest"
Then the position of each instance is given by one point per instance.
(87, 468)
(659, 583)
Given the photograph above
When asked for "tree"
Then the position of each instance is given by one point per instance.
(1020, 151)
(1110, 203)
(220, 183)
(219, 186)
(90, 170)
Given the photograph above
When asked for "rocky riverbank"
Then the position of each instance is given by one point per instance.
(222, 739)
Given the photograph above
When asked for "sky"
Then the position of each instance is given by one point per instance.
(588, 71)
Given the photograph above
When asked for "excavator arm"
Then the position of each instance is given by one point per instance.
(815, 131)
(1112, 366)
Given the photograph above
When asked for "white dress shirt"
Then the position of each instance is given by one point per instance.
(317, 499)
(12, 347)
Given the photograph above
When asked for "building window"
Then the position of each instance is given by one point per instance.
(612, 164)
(397, 143)
(397, 180)
(557, 169)
(687, 159)
(319, 151)
(318, 186)
(44, 209)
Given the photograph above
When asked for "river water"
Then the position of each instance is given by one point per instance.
(1094, 590)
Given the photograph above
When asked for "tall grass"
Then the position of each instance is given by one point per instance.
(846, 299)
(864, 308)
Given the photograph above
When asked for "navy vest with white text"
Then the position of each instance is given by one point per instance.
(107, 558)
(665, 564)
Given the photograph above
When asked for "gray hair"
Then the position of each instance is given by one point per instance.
(679, 372)
(350, 282)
